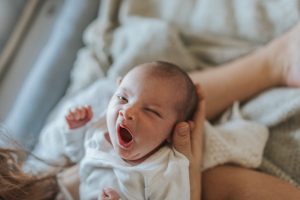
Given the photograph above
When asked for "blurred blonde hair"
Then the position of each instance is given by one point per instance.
(15, 184)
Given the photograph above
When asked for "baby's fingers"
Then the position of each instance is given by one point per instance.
(70, 116)
(82, 113)
(89, 112)
(109, 194)
(79, 116)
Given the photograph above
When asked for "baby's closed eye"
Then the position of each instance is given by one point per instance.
(152, 111)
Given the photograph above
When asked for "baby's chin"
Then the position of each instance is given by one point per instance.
(130, 157)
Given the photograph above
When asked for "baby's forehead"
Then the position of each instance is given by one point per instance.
(148, 71)
(148, 74)
(150, 86)
(144, 76)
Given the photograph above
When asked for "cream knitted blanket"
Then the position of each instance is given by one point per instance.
(198, 34)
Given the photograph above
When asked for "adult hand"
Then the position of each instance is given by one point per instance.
(284, 58)
(187, 139)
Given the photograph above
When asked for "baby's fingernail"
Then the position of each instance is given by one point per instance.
(70, 117)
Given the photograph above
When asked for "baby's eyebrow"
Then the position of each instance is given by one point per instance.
(154, 105)
(125, 90)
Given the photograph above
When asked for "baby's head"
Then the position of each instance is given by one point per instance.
(149, 101)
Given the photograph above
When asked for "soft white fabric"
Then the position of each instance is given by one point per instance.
(192, 33)
(234, 140)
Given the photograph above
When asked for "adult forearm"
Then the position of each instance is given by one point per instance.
(70, 180)
(233, 182)
(236, 81)
(195, 183)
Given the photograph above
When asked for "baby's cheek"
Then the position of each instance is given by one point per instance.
(110, 119)
(152, 142)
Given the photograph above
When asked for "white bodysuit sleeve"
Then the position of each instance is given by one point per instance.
(57, 146)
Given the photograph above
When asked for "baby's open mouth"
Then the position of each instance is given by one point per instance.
(125, 136)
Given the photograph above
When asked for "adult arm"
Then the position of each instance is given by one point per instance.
(69, 179)
(276, 64)
(234, 182)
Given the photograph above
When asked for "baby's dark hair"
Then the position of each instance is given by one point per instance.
(186, 107)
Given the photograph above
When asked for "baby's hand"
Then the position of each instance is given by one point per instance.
(110, 194)
(79, 117)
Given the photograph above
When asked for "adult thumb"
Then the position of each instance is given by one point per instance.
(182, 139)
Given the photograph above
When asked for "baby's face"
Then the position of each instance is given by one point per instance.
(141, 114)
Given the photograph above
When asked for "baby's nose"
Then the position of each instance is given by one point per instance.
(128, 113)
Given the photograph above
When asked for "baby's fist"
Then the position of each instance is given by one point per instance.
(110, 194)
(79, 116)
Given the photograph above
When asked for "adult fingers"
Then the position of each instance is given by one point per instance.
(199, 117)
(182, 140)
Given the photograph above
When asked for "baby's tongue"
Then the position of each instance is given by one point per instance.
(125, 135)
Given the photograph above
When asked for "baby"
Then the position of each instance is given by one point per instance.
(128, 155)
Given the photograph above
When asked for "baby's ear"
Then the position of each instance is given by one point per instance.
(119, 80)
